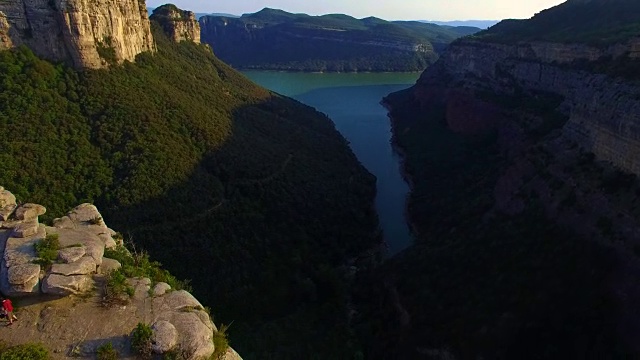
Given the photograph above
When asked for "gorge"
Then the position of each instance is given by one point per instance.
(520, 144)
(352, 102)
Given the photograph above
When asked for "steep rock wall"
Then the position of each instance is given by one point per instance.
(604, 112)
(180, 25)
(87, 34)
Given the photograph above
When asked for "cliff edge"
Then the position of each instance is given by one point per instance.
(86, 34)
(61, 280)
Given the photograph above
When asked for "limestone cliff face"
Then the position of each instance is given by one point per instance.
(604, 112)
(85, 33)
(5, 39)
(180, 25)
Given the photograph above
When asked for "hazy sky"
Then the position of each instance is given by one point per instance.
(385, 9)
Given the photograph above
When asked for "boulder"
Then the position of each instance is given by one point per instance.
(64, 222)
(86, 265)
(109, 265)
(20, 279)
(197, 336)
(107, 240)
(56, 284)
(164, 337)
(19, 251)
(6, 198)
(141, 287)
(86, 213)
(178, 300)
(161, 288)
(72, 254)
(28, 212)
(23, 274)
(26, 229)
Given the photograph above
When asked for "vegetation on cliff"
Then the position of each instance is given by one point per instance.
(253, 196)
(599, 23)
(278, 40)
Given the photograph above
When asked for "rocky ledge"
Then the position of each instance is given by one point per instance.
(177, 319)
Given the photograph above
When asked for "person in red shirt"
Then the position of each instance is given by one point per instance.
(7, 308)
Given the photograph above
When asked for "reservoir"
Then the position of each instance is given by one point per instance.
(352, 101)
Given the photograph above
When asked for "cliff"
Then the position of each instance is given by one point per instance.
(86, 34)
(277, 40)
(603, 110)
(180, 25)
(76, 265)
(521, 145)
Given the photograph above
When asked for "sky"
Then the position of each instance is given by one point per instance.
(441, 10)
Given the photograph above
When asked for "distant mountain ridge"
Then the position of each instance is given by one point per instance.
(278, 40)
(482, 24)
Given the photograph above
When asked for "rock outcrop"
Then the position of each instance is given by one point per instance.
(82, 237)
(87, 34)
(178, 320)
(179, 25)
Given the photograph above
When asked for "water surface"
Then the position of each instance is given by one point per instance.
(352, 101)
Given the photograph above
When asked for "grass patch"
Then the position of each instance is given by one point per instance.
(220, 342)
(116, 289)
(137, 264)
(47, 250)
(141, 340)
(106, 351)
(29, 351)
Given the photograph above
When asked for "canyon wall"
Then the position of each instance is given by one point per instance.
(87, 34)
(604, 111)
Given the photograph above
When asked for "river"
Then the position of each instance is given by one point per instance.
(352, 101)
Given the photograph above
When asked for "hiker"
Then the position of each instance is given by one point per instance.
(7, 308)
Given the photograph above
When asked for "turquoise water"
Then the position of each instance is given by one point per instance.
(352, 101)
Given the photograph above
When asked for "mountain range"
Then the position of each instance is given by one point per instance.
(277, 40)
(481, 24)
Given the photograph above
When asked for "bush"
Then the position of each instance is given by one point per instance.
(95, 221)
(47, 249)
(220, 342)
(115, 289)
(138, 264)
(141, 340)
(107, 352)
(28, 351)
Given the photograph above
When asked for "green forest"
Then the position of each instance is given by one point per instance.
(277, 40)
(254, 197)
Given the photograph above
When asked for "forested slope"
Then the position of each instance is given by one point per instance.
(255, 197)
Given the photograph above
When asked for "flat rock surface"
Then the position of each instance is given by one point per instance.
(73, 326)
(56, 284)
(85, 265)
(71, 254)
